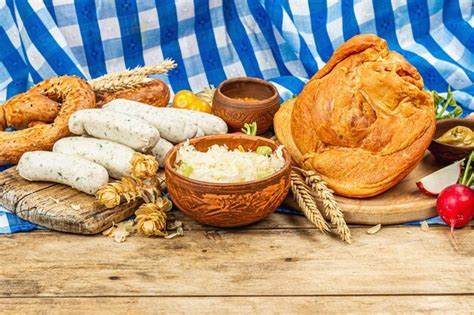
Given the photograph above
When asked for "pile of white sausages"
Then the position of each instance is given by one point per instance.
(107, 138)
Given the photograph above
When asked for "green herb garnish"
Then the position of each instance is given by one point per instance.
(467, 178)
(442, 106)
(250, 129)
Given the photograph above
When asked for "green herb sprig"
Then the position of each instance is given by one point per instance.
(250, 129)
(467, 178)
(443, 111)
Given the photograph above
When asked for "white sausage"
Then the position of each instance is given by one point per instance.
(200, 133)
(73, 171)
(209, 124)
(172, 126)
(115, 157)
(160, 151)
(129, 130)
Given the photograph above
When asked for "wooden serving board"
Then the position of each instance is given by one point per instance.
(57, 207)
(400, 204)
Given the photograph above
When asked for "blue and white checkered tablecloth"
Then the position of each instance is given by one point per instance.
(211, 40)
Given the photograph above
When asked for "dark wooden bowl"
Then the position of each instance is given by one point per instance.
(446, 153)
(238, 112)
(228, 205)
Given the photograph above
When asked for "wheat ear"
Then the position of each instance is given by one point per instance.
(129, 78)
(306, 202)
(330, 205)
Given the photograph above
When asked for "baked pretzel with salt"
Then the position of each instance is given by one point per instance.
(41, 114)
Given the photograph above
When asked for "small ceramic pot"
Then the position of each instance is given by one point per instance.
(233, 204)
(446, 153)
(237, 112)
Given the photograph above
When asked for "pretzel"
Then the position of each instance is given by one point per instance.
(44, 111)
(27, 109)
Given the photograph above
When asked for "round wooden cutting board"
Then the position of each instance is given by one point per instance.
(402, 203)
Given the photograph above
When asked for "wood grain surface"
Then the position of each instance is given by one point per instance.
(281, 264)
(419, 304)
(13, 188)
(243, 262)
(56, 206)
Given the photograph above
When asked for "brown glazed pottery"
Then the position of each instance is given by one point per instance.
(237, 112)
(446, 153)
(233, 204)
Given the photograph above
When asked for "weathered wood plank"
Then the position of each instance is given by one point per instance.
(239, 262)
(242, 305)
(274, 221)
(62, 208)
(13, 188)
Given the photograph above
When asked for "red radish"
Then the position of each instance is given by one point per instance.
(434, 183)
(455, 204)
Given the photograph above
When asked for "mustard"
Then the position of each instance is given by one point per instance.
(460, 136)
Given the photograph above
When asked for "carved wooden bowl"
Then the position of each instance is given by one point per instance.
(228, 205)
(446, 153)
(237, 112)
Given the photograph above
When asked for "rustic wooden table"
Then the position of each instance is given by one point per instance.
(281, 264)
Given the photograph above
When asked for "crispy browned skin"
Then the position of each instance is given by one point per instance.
(26, 108)
(30, 109)
(155, 93)
(363, 121)
(72, 92)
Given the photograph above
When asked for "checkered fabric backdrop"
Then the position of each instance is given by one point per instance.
(211, 40)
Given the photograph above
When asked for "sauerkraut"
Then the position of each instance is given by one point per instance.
(221, 165)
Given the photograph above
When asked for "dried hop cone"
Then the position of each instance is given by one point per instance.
(111, 194)
(164, 203)
(129, 188)
(143, 166)
(108, 196)
(151, 220)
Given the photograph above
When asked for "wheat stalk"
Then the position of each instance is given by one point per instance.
(306, 202)
(330, 205)
(129, 78)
